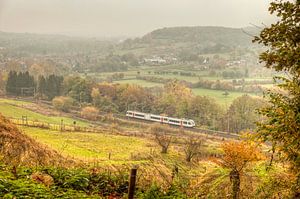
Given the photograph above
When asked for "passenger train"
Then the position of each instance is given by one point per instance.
(161, 119)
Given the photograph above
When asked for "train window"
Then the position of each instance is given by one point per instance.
(174, 121)
(155, 118)
(139, 115)
(165, 119)
(185, 122)
(189, 123)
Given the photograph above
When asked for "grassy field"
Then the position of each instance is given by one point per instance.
(9, 110)
(218, 95)
(91, 145)
(14, 102)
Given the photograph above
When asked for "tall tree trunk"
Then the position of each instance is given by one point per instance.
(235, 180)
(297, 187)
(272, 157)
(164, 149)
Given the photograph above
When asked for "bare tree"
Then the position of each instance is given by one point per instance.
(162, 136)
(192, 147)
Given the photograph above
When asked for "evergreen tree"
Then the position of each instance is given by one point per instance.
(53, 86)
(41, 86)
(20, 83)
(11, 83)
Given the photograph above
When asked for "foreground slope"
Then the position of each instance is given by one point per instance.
(18, 148)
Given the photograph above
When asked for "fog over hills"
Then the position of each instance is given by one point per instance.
(203, 34)
(201, 39)
(110, 18)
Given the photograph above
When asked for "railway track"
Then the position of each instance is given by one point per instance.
(220, 134)
(216, 133)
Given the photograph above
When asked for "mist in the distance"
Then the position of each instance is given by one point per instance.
(109, 18)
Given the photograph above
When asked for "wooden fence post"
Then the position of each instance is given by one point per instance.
(132, 181)
(61, 125)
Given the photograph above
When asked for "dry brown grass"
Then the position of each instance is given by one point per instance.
(16, 148)
(42, 178)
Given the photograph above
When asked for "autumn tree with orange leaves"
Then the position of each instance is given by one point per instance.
(237, 156)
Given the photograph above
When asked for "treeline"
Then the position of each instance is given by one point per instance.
(235, 85)
(110, 63)
(49, 87)
(153, 79)
(175, 100)
(188, 74)
(231, 74)
(24, 84)
(2, 83)
(20, 83)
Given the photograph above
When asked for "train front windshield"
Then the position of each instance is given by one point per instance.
(193, 123)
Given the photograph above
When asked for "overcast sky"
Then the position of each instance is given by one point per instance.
(126, 17)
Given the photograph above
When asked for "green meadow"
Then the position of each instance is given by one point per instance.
(9, 108)
(90, 146)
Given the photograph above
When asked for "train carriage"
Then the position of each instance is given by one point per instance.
(162, 119)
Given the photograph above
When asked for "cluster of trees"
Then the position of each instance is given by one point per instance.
(231, 74)
(63, 103)
(189, 74)
(20, 84)
(242, 114)
(24, 84)
(235, 85)
(117, 76)
(49, 87)
(2, 83)
(114, 62)
(241, 86)
(78, 88)
(189, 55)
(241, 82)
(153, 79)
(131, 59)
(175, 99)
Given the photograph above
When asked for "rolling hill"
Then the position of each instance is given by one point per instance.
(200, 39)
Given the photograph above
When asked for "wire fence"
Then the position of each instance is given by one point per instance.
(52, 126)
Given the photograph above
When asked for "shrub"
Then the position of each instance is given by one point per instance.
(90, 113)
(62, 103)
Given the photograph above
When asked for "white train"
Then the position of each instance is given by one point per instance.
(161, 119)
